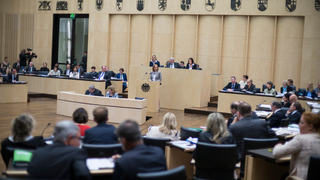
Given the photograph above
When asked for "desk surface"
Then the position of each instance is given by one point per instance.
(267, 154)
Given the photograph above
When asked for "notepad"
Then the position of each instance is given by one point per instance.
(100, 163)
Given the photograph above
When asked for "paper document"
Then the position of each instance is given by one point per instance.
(100, 163)
(262, 113)
(184, 144)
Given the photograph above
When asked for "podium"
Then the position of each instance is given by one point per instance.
(149, 90)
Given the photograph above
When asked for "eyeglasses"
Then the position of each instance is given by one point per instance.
(79, 138)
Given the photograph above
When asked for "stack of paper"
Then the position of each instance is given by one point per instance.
(100, 163)
(184, 144)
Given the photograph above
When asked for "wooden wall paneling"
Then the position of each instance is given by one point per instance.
(150, 40)
(26, 29)
(2, 20)
(274, 49)
(196, 60)
(220, 56)
(173, 36)
(128, 43)
(247, 48)
(11, 36)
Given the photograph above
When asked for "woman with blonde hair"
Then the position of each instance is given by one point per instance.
(285, 87)
(216, 131)
(309, 92)
(21, 129)
(167, 129)
(111, 92)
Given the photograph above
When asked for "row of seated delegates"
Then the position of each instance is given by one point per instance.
(21, 137)
(302, 146)
(167, 129)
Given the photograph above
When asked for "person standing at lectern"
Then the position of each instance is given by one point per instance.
(155, 75)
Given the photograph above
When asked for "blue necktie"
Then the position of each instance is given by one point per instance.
(232, 86)
(101, 75)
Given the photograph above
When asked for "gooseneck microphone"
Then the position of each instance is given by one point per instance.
(262, 102)
(45, 129)
(145, 75)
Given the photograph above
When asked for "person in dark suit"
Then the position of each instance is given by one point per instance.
(233, 85)
(16, 65)
(285, 87)
(249, 86)
(290, 83)
(30, 68)
(68, 70)
(293, 113)
(248, 127)
(44, 68)
(13, 76)
(103, 133)
(23, 56)
(285, 100)
(92, 91)
(276, 116)
(172, 64)
(80, 70)
(21, 138)
(122, 76)
(63, 159)
(106, 75)
(191, 64)
(154, 61)
(84, 61)
(138, 157)
(94, 72)
(233, 110)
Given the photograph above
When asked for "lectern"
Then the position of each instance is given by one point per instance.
(149, 90)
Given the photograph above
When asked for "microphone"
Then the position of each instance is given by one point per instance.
(262, 102)
(145, 75)
(45, 129)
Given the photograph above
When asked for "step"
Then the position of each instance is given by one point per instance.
(213, 98)
(213, 104)
(205, 111)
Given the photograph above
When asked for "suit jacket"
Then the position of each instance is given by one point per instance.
(107, 77)
(23, 58)
(158, 76)
(250, 128)
(294, 118)
(44, 69)
(251, 89)
(253, 116)
(28, 69)
(96, 92)
(176, 65)
(101, 134)
(140, 159)
(194, 66)
(313, 93)
(288, 104)
(152, 63)
(236, 86)
(81, 71)
(124, 75)
(16, 65)
(275, 119)
(95, 74)
(289, 89)
(58, 161)
(61, 72)
(9, 77)
(65, 72)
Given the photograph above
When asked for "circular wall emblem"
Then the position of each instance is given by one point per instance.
(145, 87)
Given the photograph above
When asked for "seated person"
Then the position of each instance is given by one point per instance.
(137, 157)
(249, 86)
(74, 73)
(30, 68)
(122, 76)
(290, 83)
(4, 65)
(80, 117)
(293, 113)
(111, 92)
(154, 61)
(317, 90)
(167, 129)
(269, 90)
(68, 70)
(191, 64)
(233, 109)
(44, 68)
(54, 72)
(94, 72)
(80, 70)
(309, 92)
(285, 100)
(274, 119)
(92, 91)
(63, 159)
(155, 75)
(13, 76)
(103, 133)
(285, 87)
(16, 65)
(59, 69)
(182, 65)
(233, 85)
(243, 82)
(21, 129)
(302, 146)
(172, 64)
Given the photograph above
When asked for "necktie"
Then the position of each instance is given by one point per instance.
(12, 78)
(232, 86)
(101, 75)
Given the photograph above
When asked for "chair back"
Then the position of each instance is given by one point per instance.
(284, 111)
(185, 133)
(314, 164)
(258, 90)
(215, 161)
(88, 75)
(284, 122)
(252, 143)
(102, 150)
(178, 173)
(159, 142)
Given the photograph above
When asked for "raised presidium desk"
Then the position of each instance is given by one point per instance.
(227, 97)
(119, 109)
(13, 92)
(262, 165)
(43, 84)
(179, 89)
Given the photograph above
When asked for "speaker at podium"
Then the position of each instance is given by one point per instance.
(149, 90)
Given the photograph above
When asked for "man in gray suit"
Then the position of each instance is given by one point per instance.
(172, 64)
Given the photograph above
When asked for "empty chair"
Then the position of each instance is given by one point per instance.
(88, 75)
(252, 143)
(178, 173)
(300, 91)
(215, 161)
(159, 142)
(185, 133)
(258, 90)
(284, 122)
(314, 164)
(102, 150)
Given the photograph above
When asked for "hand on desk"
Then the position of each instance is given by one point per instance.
(115, 157)
(229, 89)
